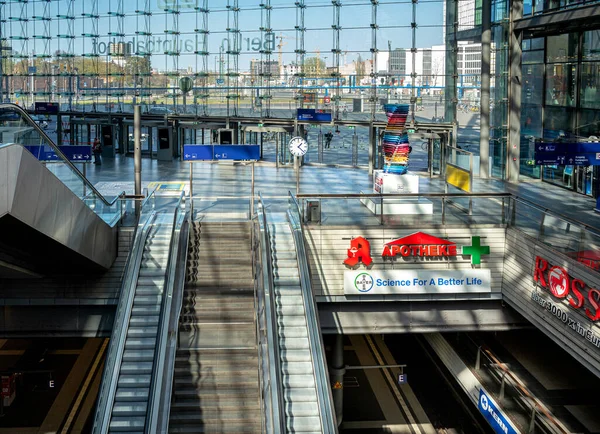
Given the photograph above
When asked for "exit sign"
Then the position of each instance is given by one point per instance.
(411, 130)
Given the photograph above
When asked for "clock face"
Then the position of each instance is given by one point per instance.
(298, 146)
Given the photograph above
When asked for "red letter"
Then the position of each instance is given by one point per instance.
(386, 251)
(404, 251)
(593, 295)
(577, 286)
(451, 250)
(359, 251)
(538, 273)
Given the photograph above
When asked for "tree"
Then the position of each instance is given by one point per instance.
(360, 68)
(314, 66)
(135, 68)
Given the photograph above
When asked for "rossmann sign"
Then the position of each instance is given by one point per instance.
(560, 284)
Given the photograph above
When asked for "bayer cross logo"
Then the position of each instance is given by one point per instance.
(484, 402)
(363, 282)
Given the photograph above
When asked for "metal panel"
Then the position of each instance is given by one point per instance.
(43, 202)
(518, 287)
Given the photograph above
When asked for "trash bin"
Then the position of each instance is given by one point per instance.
(313, 211)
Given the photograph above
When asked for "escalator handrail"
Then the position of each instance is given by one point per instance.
(114, 357)
(317, 347)
(59, 153)
(278, 424)
(159, 397)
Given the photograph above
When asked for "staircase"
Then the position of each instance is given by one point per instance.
(300, 394)
(131, 399)
(216, 383)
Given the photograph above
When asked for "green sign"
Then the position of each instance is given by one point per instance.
(476, 250)
(410, 130)
(186, 84)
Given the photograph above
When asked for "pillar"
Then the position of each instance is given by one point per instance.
(486, 41)
(514, 94)
(338, 369)
(451, 60)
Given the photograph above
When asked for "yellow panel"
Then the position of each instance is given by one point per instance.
(459, 178)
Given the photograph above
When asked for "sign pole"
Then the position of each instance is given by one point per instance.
(252, 193)
(297, 175)
(192, 189)
(137, 154)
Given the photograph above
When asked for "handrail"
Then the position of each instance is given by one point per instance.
(328, 417)
(115, 353)
(157, 417)
(58, 152)
(274, 361)
(397, 195)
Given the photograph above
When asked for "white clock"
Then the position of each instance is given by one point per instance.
(298, 146)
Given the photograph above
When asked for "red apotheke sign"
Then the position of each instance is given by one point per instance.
(562, 285)
(419, 244)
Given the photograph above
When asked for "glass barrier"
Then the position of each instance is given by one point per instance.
(17, 127)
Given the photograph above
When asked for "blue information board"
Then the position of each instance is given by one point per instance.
(47, 107)
(76, 154)
(576, 154)
(314, 115)
(497, 420)
(220, 152)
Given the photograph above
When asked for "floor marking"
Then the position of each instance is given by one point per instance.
(393, 386)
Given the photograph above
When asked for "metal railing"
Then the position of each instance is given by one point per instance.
(317, 348)
(268, 336)
(114, 357)
(531, 410)
(46, 140)
(159, 398)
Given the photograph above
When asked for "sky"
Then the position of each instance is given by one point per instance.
(393, 18)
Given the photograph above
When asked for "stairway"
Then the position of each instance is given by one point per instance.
(216, 383)
(300, 394)
(131, 399)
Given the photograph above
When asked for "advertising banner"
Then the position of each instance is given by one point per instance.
(497, 420)
(402, 282)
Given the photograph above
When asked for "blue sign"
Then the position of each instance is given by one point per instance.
(576, 154)
(220, 152)
(552, 158)
(46, 107)
(32, 70)
(220, 81)
(314, 115)
(76, 154)
(497, 420)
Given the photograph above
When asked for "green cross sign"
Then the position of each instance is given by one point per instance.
(476, 250)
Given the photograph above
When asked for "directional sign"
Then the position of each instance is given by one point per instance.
(47, 107)
(553, 158)
(571, 148)
(314, 115)
(78, 154)
(220, 152)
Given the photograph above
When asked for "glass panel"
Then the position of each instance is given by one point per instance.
(591, 45)
(590, 80)
(562, 48)
(561, 84)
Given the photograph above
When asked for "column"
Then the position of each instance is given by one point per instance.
(486, 40)
(451, 57)
(338, 369)
(514, 94)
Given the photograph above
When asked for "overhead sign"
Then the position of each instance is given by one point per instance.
(47, 107)
(220, 152)
(76, 154)
(314, 115)
(403, 282)
(495, 417)
(561, 285)
(576, 154)
(421, 244)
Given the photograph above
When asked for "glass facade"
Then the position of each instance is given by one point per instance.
(559, 103)
(246, 58)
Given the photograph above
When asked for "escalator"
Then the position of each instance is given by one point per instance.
(69, 225)
(307, 397)
(130, 387)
